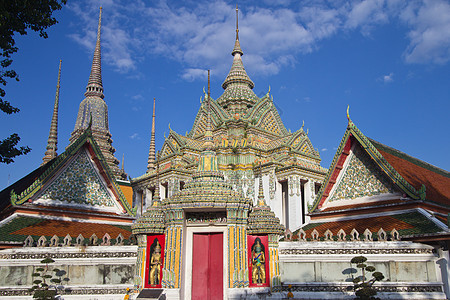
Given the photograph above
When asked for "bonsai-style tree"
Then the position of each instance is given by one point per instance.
(42, 286)
(363, 286)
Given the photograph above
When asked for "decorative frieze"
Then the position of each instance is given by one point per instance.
(72, 290)
(344, 288)
(354, 251)
(59, 255)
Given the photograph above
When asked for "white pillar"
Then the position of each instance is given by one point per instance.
(294, 199)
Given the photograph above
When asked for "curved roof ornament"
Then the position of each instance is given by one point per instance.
(348, 114)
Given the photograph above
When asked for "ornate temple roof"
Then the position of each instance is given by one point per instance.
(387, 170)
(371, 187)
(75, 162)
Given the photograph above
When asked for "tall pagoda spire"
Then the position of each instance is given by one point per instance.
(261, 200)
(208, 145)
(238, 95)
(151, 152)
(237, 45)
(208, 160)
(52, 143)
(93, 111)
(95, 84)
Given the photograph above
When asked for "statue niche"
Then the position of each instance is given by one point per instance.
(258, 262)
(154, 277)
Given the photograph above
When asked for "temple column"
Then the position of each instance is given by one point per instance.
(148, 198)
(139, 272)
(173, 250)
(275, 278)
(137, 201)
(309, 189)
(237, 248)
(294, 203)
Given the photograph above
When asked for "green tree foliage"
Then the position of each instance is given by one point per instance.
(363, 286)
(16, 17)
(45, 284)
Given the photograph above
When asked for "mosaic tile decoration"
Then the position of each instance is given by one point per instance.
(362, 178)
(79, 183)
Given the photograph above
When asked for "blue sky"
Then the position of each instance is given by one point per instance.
(388, 60)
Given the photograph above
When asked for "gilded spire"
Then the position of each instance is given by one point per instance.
(151, 152)
(95, 85)
(237, 45)
(52, 144)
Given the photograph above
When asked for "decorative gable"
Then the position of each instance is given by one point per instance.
(361, 178)
(167, 149)
(200, 126)
(79, 183)
(270, 124)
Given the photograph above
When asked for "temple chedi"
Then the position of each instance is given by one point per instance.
(243, 127)
(93, 109)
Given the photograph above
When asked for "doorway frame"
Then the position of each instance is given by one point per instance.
(190, 230)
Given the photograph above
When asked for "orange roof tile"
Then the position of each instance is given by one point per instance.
(62, 228)
(388, 223)
(127, 192)
(417, 173)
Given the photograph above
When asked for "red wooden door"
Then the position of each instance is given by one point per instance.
(207, 266)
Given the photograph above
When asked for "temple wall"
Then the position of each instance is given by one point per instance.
(411, 270)
(94, 272)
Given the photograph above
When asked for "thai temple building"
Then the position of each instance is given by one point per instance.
(237, 208)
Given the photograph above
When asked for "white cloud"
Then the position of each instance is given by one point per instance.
(192, 74)
(366, 14)
(430, 32)
(388, 78)
(324, 149)
(117, 44)
(134, 136)
(200, 35)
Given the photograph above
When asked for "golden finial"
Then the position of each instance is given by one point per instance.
(348, 114)
(209, 85)
(303, 124)
(269, 89)
(237, 23)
